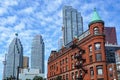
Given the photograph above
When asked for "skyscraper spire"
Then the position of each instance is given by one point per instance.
(16, 34)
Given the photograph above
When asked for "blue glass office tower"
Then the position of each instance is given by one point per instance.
(14, 58)
(72, 24)
(37, 53)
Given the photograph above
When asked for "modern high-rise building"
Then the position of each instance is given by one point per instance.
(110, 35)
(72, 24)
(37, 53)
(14, 58)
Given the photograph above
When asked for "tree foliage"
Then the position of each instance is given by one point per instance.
(58, 78)
(37, 78)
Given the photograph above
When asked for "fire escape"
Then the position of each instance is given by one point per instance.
(79, 61)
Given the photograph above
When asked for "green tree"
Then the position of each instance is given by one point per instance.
(27, 79)
(58, 78)
(10, 78)
(37, 78)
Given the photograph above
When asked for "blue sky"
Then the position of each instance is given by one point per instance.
(31, 17)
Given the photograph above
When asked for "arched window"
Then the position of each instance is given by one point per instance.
(96, 30)
(97, 46)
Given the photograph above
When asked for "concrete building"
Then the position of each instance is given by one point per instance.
(14, 58)
(37, 54)
(72, 24)
(83, 58)
(29, 74)
(25, 62)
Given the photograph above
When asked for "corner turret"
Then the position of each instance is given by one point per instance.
(96, 25)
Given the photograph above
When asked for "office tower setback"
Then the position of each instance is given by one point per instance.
(14, 58)
(60, 43)
(37, 53)
(25, 62)
(72, 24)
(110, 35)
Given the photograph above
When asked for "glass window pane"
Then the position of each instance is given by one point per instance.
(97, 46)
(99, 57)
(90, 48)
(100, 70)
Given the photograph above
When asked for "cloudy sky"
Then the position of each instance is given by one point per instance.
(31, 17)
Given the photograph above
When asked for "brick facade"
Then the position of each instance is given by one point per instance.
(91, 46)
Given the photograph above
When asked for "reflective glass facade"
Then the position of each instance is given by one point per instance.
(110, 53)
(72, 24)
(14, 58)
(37, 54)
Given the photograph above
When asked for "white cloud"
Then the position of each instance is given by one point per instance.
(10, 3)
(19, 27)
(27, 10)
(2, 10)
(8, 20)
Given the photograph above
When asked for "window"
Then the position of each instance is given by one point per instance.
(91, 71)
(99, 57)
(66, 60)
(63, 77)
(60, 62)
(63, 69)
(72, 66)
(100, 70)
(66, 76)
(97, 46)
(96, 30)
(90, 57)
(66, 67)
(72, 57)
(76, 74)
(90, 48)
(60, 70)
(57, 68)
(72, 76)
(63, 61)
(111, 75)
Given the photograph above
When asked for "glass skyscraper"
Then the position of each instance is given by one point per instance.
(37, 53)
(14, 58)
(72, 24)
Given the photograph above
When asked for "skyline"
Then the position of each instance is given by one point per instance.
(45, 18)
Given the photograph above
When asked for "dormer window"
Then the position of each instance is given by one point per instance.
(96, 30)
